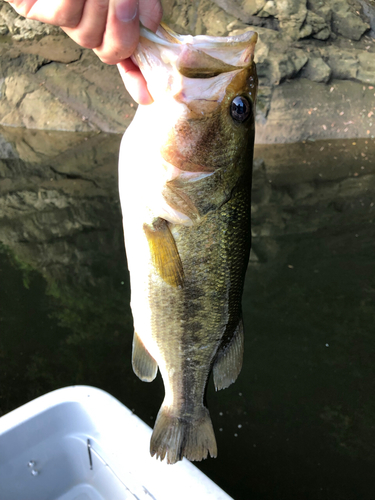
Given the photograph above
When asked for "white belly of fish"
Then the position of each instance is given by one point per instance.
(142, 176)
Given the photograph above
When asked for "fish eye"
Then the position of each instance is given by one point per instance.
(240, 109)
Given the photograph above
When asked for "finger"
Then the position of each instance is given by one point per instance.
(134, 82)
(90, 30)
(150, 13)
(60, 12)
(122, 31)
(22, 6)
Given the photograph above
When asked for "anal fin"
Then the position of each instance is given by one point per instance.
(164, 252)
(228, 363)
(144, 365)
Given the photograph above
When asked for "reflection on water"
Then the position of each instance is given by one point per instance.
(300, 420)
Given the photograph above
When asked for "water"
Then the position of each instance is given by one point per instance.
(300, 420)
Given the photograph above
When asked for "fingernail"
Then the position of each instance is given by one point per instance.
(126, 10)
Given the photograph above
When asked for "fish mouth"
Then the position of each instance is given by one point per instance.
(167, 37)
(166, 56)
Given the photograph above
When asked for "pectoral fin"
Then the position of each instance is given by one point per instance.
(164, 252)
(228, 363)
(144, 365)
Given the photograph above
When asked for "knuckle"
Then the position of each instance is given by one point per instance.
(68, 13)
(101, 6)
(151, 13)
(116, 52)
(66, 21)
(88, 40)
(106, 58)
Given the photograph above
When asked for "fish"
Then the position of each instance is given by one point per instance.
(185, 170)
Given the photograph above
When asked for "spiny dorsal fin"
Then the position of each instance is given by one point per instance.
(164, 253)
(144, 365)
(194, 63)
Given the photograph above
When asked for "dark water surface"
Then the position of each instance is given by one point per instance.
(299, 423)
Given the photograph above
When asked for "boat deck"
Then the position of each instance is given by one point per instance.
(80, 443)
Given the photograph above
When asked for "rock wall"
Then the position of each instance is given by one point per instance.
(59, 195)
(58, 199)
(315, 60)
(48, 82)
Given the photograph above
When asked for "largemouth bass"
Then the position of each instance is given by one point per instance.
(185, 179)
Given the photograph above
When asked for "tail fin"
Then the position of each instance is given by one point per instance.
(176, 437)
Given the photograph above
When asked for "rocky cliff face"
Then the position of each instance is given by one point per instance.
(58, 200)
(315, 59)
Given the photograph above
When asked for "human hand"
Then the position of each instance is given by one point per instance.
(109, 27)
